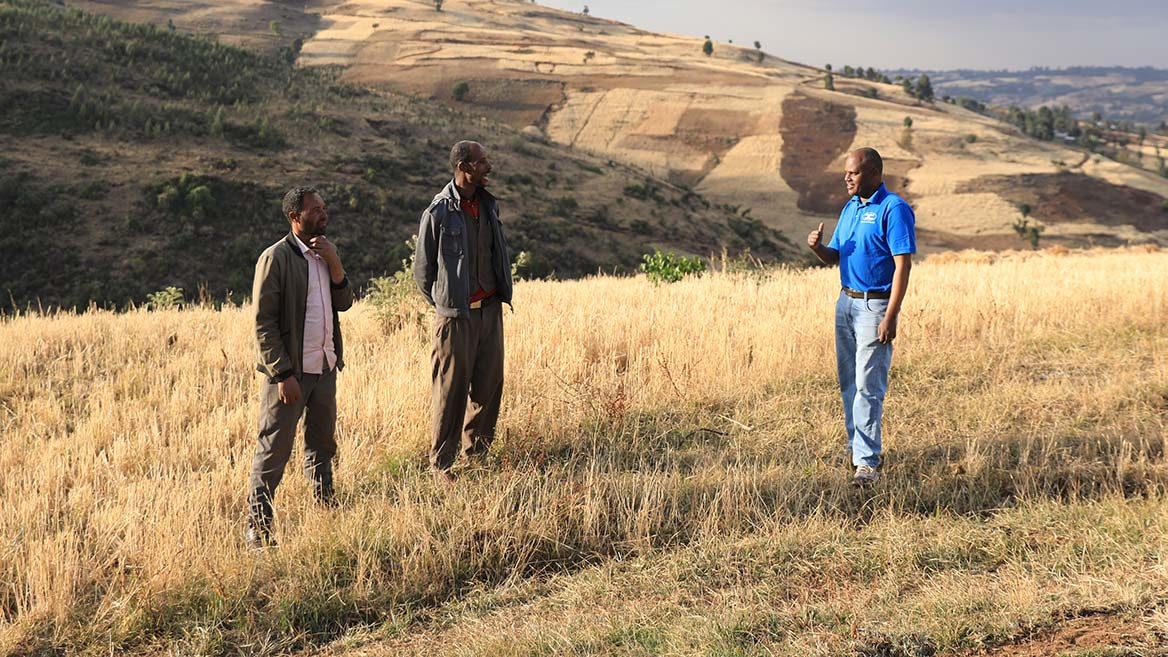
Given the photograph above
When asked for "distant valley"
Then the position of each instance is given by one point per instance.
(1139, 95)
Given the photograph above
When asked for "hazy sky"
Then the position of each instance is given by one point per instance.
(989, 34)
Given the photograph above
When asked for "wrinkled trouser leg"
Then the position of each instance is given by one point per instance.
(277, 432)
(450, 375)
(862, 363)
(486, 379)
(320, 430)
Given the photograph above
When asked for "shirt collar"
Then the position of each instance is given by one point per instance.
(877, 196)
(303, 247)
(458, 197)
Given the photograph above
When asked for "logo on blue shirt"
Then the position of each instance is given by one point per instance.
(868, 217)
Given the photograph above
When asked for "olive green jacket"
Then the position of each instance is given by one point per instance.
(279, 295)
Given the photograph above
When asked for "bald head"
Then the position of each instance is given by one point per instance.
(863, 172)
(870, 159)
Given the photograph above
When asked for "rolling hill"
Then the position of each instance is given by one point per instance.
(612, 140)
(139, 157)
(741, 127)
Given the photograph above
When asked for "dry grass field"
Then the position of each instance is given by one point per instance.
(668, 479)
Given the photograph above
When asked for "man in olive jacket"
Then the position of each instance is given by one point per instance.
(463, 269)
(300, 286)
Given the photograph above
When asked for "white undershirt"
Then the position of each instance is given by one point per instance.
(318, 314)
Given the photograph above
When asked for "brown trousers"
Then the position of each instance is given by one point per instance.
(467, 359)
(277, 433)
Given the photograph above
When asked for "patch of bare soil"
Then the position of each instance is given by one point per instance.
(1069, 197)
(1100, 634)
(939, 240)
(516, 102)
(815, 134)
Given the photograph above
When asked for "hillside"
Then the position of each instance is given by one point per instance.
(660, 485)
(744, 129)
(138, 157)
(760, 135)
(1117, 93)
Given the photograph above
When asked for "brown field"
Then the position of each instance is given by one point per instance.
(667, 479)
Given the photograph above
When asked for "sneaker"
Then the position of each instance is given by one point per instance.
(865, 475)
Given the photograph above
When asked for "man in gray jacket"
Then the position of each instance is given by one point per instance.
(300, 286)
(463, 269)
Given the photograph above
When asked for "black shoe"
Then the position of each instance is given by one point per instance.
(321, 478)
(259, 520)
(324, 494)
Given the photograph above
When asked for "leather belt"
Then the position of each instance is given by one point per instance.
(857, 294)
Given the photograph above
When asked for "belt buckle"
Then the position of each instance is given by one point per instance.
(476, 304)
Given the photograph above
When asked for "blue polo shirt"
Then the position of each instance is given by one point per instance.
(868, 235)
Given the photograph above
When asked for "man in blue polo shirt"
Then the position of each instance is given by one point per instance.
(873, 244)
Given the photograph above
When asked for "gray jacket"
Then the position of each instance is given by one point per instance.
(441, 268)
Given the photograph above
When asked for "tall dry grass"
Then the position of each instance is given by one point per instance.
(667, 479)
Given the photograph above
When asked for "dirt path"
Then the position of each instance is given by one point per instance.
(1089, 635)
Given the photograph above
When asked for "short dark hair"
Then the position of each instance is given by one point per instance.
(460, 152)
(294, 200)
(869, 157)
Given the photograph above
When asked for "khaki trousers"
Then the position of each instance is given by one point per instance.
(467, 360)
(277, 433)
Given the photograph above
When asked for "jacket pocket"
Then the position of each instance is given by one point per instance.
(450, 242)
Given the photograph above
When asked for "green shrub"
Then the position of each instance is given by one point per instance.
(523, 261)
(166, 299)
(666, 267)
(1028, 231)
(395, 298)
(460, 91)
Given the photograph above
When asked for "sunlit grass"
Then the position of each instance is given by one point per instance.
(668, 477)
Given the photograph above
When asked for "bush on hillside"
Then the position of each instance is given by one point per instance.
(666, 267)
(395, 298)
(168, 298)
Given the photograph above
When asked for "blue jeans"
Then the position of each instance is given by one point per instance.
(862, 362)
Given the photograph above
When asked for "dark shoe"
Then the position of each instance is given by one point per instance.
(259, 520)
(324, 493)
(321, 478)
(259, 537)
